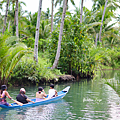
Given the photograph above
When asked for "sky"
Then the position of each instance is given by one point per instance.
(32, 5)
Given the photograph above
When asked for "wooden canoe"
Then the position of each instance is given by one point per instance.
(61, 94)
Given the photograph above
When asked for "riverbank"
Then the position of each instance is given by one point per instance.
(44, 81)
(58, 79)
(55, 80)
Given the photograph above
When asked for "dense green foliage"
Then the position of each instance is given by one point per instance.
(11, 51)
(81, 54)
(27, 70)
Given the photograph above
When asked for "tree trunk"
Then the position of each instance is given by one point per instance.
(55, 64)
(3, 80)
(37, 32)
(9, 26)
(96, 39)
(102, 20)
(15, 18)
(52, 16)
(6, 13)
(81, 12)
(16, 15)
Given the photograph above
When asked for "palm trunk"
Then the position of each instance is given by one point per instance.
(6, 13)
(16, 15)
(15, 18)
(37, 32)
(52, 17)
(55, 64)
(102, 20)
(81, 12)
(9, 26)
(96, 39)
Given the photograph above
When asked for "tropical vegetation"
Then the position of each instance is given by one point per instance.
(41, 46)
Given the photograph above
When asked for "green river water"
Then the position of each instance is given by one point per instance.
(86, 100)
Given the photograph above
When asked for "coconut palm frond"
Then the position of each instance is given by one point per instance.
(11, 40)
(91, 25)
(25, 33)
(73, 3)
(10, 54)
(109, 27)
(16, 54)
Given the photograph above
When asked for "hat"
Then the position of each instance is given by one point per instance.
(22, 89)
(3, 87)
(40, 89)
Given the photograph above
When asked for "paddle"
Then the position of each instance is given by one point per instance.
(19, 103)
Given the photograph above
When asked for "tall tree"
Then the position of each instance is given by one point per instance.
(6, 13)
(52, 16)
(37, 32)
(55, 64)
(112, 5)
(81, 12)
(60, 2)
(60, 10)
(16, 16)
(102, 20)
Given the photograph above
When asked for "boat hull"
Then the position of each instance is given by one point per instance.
(61, 94)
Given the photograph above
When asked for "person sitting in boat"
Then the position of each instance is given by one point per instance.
(40, 95)
(3, 95)
(52, 92)
(21, 97)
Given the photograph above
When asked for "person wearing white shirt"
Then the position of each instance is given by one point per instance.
(52, 92)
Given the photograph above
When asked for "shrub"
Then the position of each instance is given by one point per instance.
(27, 70)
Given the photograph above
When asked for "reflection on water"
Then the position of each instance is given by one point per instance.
(86, 100)
(47, 112)
(42, 112)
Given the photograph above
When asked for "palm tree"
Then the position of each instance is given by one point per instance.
(1, 23)
(81, 12)
(57, 16)
(59, 10)
(55, 64)
(6, 13)
(102, 20)
(16, 16)
(112, 6)
(97, 4)
(11, 17)
(11, 51)
(111, 36)
(37, 33)
(52, 16)
(118, 19)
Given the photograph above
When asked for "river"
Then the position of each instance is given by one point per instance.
(86, 100)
